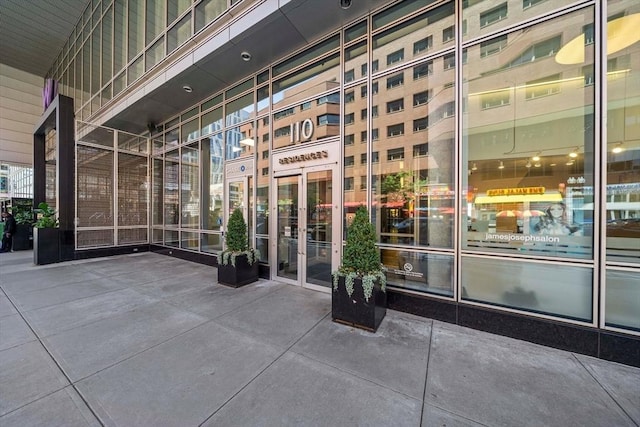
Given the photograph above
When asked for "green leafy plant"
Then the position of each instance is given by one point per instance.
(46, 216)
(237, 241)
(361, 258)
(24, 217)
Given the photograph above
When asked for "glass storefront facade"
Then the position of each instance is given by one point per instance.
(496, 145)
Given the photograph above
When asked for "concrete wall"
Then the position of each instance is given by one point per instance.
(20, 110)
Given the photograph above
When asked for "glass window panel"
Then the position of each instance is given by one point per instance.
(119, 36)
(263, 99)
(191, 130)
(207, 11)
(171, 238)
(302, 125)
(263, 77)
(135, 34)
(155, 19)
(157, 236)
(394, 45)
(210, 243)
(529, 167)
(179, 34)
(107, 35)
(212, 121)
(175, 8)
(484, 16)
(172, 138)
(262, 246)
(191, 113)
(156, 192)
(132, 236)
(310, 54)
(95, 187)
(94, 238)
(189, 240)
(154, 54)
(313, 79)
(356, 58)
(558, 290)
(77, 62)
(419, 271)
(190, 186)
(239, 110)
(132, 190)
(86, 74)
(398, 11)
(135, 70)
(212, 181)
(355, 31)
(353, 199)
(622, 302)
(412, 190)
(623, 141)
(171, 194)
(95, 104)
(493, 15)
(119, 83)
(131, 142)
(240, 141)
(157, 144)
(212, 102)
(238, 89)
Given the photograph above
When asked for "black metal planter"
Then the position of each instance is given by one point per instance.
(354, 310)
(242, 274)
(46, 246)
(22, 237)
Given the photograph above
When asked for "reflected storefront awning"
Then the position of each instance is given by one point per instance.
(519, 198)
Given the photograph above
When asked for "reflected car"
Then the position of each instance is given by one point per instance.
(628, 227)
(407, 225)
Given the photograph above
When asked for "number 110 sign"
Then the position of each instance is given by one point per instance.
(301, 131)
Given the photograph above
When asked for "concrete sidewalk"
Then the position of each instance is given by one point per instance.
(149, 340)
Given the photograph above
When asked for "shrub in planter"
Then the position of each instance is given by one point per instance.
(46, 236)
(22, 240)
(238, 263)
(359, 286)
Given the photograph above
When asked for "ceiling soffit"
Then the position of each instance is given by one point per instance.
(289, 28)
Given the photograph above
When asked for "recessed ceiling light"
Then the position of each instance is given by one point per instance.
(187, 88)
(246, 56)
(618, 149)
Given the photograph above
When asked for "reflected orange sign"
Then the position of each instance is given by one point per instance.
(515, 191)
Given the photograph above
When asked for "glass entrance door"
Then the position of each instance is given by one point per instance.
(306, 243)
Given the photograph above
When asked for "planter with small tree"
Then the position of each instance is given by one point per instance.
(238, 263)
(359, 295)
(46, 236)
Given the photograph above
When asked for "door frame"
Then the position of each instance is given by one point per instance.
(302, 176)
(300, 161)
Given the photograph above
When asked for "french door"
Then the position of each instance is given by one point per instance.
(308, 226)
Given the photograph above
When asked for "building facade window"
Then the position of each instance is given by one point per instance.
(395, 106)
(395, 81)
(423, 45)
(496, 14)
